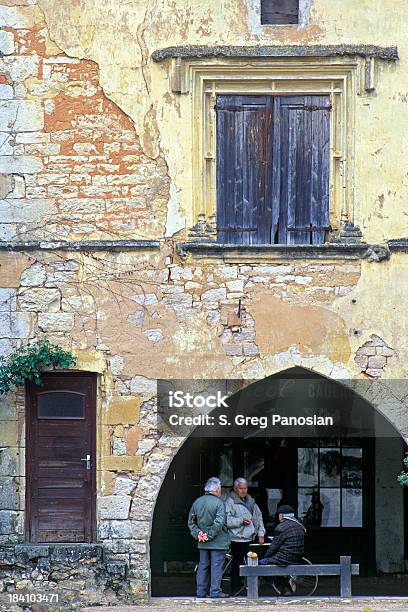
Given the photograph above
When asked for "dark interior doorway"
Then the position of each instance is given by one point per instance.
(338, 473)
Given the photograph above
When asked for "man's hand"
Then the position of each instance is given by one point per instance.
(261, 539)
(246, 521)
(263, 562)
(202, 536)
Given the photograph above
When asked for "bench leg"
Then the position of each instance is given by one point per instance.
(252, 582)
(345, 576)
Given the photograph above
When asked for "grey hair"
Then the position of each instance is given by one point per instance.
(212, 484)
(240, 480)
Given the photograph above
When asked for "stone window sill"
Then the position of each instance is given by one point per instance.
(273, 251)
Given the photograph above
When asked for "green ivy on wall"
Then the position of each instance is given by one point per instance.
(27, 363)
(403, 477)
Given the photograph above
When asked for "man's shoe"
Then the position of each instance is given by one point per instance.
(220, 596)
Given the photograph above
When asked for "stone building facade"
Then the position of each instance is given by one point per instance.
(108, 243)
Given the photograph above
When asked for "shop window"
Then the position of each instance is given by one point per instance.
(330, 485)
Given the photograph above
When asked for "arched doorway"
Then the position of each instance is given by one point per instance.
(337, 482)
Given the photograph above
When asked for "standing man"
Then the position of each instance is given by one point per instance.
(207, 524)
(244, 522)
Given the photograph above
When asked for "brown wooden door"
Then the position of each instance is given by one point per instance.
(60, 463)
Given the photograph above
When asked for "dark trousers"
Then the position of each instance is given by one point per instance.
(239, 551)
(209, 572)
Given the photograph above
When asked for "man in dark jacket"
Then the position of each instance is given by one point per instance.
(288, 544)
(208, 525)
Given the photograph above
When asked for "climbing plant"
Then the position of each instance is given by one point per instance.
(27, 363)
(403, 477)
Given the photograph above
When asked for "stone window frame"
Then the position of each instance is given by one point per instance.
(340, 78)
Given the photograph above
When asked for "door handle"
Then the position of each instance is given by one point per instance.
(88, 461)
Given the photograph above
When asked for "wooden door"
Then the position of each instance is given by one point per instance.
(60, 466)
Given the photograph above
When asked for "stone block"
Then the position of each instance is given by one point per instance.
(8, 493)
(59, 321)
(15, 325)
(158, 464)
(145, 446)
(124, 485)
(147, 489)
(154, 335)
(8, 299)
(119, 446)
(377, 361)
(9, 433)
(47, 300)
(145, 299)
(214, 295)
(143, 385)
(251, 349)
(374, 373)
(22, 164)
(34, 276)
(8, 459)
(115, 507)
(233, 349)
(21, 116)
(21, 67)
(235, 285)
(137, 318)
(24, 210)
(122, 410)
(122, 463)
(6, 93)
(386, 351)
(6, 42)
(6, 185)
(8, 520)
(178, 273)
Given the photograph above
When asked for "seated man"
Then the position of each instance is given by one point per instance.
(287, 546)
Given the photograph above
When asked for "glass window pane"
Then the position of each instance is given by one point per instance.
(254, 460)
(225, 471)
(304, 501)
(61, 405)
(274, 497)
(352, 508)
(329, 467)
(330, 500)
(310, 508)
(307, 467)
(352, 468)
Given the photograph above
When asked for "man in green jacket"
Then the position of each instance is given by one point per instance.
(207, 524)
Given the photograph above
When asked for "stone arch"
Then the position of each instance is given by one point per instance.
(381, 396)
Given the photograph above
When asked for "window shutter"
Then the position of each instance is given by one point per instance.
(244, 169)
(279, 11)
(301, 168)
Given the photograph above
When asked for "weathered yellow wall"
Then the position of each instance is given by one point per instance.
(135, 316)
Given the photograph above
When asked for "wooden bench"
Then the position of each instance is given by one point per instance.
(345, 569)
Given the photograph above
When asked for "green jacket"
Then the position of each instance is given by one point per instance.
(208, 514)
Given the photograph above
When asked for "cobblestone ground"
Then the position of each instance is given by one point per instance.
(358, 604)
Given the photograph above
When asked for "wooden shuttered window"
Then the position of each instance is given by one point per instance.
(279, 11)
(244, 169)
(272, 169)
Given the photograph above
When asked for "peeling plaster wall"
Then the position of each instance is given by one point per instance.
(101, 148)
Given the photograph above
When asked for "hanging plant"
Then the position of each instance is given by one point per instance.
(403, 477)
(28, 363)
